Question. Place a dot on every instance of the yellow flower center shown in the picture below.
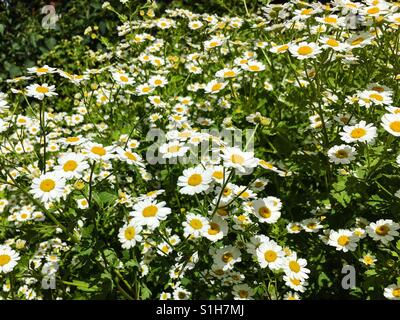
(358, 133)
(243, 293)
(47, 185)
(296, 282)
(312, 225)
(41, 70)
(395, 126)
(214, 229)
(382, 230)
(227, 192)
(295, 228)
(304, 50)
(330, 20)
(150, 211)
(264, 212)
(100, 151)
(270, 256)
(343, 240)
(357, 41)
(216, 87)
(229, 74)
(332, 43)
(237, 158)
(373, 10)
(146, 89)
(294, 266)
(70, 165)
(4, 259)
(72, 139)
(158, 82)
(376, 97)
(130, 233)
(368, 260)
(196, 224)
(254, 68)
(214, 43)
(130, 155)
(195, 179)
(307, 11)
(395, 292)
(41, 89)
(124, 79)
(341, 154)
(283, 48)
(227, 257)
(173, 149)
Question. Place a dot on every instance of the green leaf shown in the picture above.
(370, 272)
(145, 292)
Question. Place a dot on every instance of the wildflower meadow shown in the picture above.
(175, 153)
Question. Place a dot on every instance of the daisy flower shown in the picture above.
(270, 254)
(242, 292)
(383, 230)
(360, 40)
(71, 165)
(96, 151)
(368, 260)
(343, 240)
(194, 180)
(361, 132)
(82, 203)
(158, 81)
(295, 267)
(291, 296)
(215, 86)
(374, 97)
(195, 225)
(129, 234)
(48, 187)
(73, 140)
(42, 70)
(226, 257)
(265, 210)
(392, 292)
(144, 89)
(332, 43)
(295, 284)
(129, 157)
(254, 66)
(304, 50)
(173, 149)
(391, 123)
(235, 158)
(8, 259)
(217, 228)
(228, 73)
(181, 294)
(311, 225)
(342, 154)
(122, 78)
(282, 48)
(293, 227)
(195, 24)
(150, 212)
(40, 91)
